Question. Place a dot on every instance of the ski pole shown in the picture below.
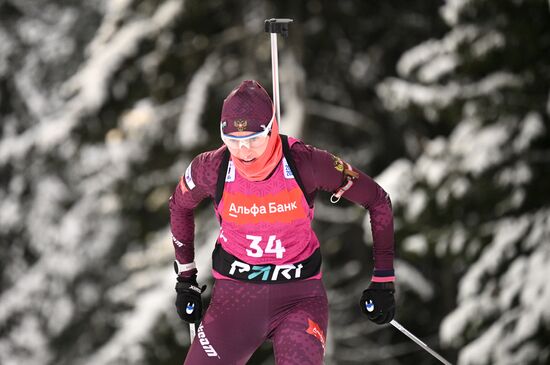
(275, 26)
(192, 332)
(418, 342)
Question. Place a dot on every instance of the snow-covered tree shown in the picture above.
(104, 103)
(472, 197)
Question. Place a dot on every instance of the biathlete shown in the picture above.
(266, 260)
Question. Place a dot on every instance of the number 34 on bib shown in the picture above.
(274, 246)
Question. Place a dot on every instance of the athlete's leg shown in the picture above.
(299, 331)
(233, 327)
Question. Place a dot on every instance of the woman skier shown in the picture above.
(266, 261)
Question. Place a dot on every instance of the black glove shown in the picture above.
(188, 300)
(378, 303)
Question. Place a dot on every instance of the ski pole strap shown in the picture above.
(350, 178)
(230, 266)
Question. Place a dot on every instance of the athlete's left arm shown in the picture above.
(329, 173)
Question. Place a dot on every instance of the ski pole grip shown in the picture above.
(280, 26)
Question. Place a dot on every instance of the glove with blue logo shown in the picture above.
(378, 302)
(188, 300)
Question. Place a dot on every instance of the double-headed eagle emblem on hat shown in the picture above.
(240, 124)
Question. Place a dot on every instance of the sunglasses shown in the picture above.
(251, 141)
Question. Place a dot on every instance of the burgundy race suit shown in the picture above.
(266, 259)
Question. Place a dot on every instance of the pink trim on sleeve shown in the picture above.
(386, 279)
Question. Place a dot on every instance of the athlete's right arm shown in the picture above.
(197, 183)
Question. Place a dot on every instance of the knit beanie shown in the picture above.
(247, 108)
